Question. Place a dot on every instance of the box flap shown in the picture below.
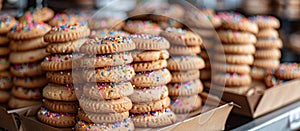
(278, 96)
(32, 124)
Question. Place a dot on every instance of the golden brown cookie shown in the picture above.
(59, 62)
(236, 48)
(149, 94)
(185, 104)
(240, 24)
(177, 63)
(149, 66)
(234, 59)
(62, 19)
(6, 23)
(143, 56)
(288, 71)
(65, 47)
(231, 68)
(142, 27)
(184, 76)
(106, 23)
(266, 63)
(126, 124)
(267, 54)
(184, 50)
(185, 88)
(150, 42)
(235, 37)
(265, 21)
(60, 77)
(258, 73)
(56, 119)
(151, 78)
(61, 106)
(181, 37)
(27, 69)
(232, 79)
(26, 45)
(102, 118)
(28, 56)
(60, 92)
(150, 106)
(267, 43)
(268, 32)
(30, 30)
(27, 94)
(30, 82)
(42, 14)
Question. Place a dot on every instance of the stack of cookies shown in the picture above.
(60, 101)
(268, 46)
(150, 98)
(184, 65)
(234, 57)
(28, 50)
(142, 27)
(6, 23)
(104, 103)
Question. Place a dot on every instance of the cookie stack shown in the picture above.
(60, 101)
(104, 103)
(28, 50)
(184, 65)
(237, 35)
(142, 27)
(150, 98)
(6, 23)
(268, 46)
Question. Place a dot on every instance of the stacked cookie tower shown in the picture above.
(237, 36)
(150, 98)
(60, 101)
(184, 65)
(6, 23)
(268, 46)
(28, 49)
(104, 103)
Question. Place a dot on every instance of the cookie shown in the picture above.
(5, 80)
(6, 23)
(142, 27)
(30, 82)
(234, 58)
(150, 106)
(270, 81)
(107, 45)
(185, 104)
(151, 78)
(106, 23)
(265, 21)
(267, 54)
(266, 63)
(60, 77)
(59, 92)
(268, 32)
(240, 24)
(154, 119)
(104, 33)
(65, 47)
(143, 56)
(126, 124)
(98, 61)
(102, 91)
(258, 73)
(3, 40)
(27, 94)
(25, 31)
(165, 12)
(149, 94)
(177, 63)
(185, 88)
(27, 69)
(55, 119)
(231, 68)
(4, 96)
(181, 37)
(232, 79)
(42, 14)
(58, 62)
(184, 76)
(28, 56)
(63, 19)
(236, 48)
(102, 118)
(170, 23)
(288, 71)
(4, 51)
(26, 45)
(205, 75)
(61, 106)
(149, 66)
(4, 63)
(65, 33)
(150, 42)
(236, 37)
(15, 103)
(184, 50)
(208, 20)
(109, 74)
(267, 43)
(107, 106)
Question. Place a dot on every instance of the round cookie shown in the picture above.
(107, 106)
(126, 124)
(151, 78)
(42, 14)
(231, 68)
(3, 40)
(106, 23)
(4, 96)
(61, 106)
(107, 45)
(5, 80)
(288, 71)
(143, 56)
(102, 91)
(240, 24)
(56, 119)
(181, 37)
(184, 50)
(232, 79)
(208, 20)
(150, 42)
(150, 106)
(142, 27)
(28, 56)
(149, 94)
(104, 33)
(149, 66)
(265, 21)
(258, 73)
(229, 36)
(15, 103)
(170, 23)
(25, 31)
(184, 76)
(266, 63)
(27, 69)
(6, 23)
(66, 33)
(4, 51)
(236, 48)
(59, 92)
(267, 54)
(63, 19)
(4, 63)
(26, 45)
(28, 94)
(267, 43)
(65, 47)
(186, 88)
(102, 118)
(109, 74)
(154, 119)
(30, 82)
(234, 59)
(60, 77)
(185, 63)
(268, 32)
(58, 62)
(185, 104)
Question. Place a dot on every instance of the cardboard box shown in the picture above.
(270, 100)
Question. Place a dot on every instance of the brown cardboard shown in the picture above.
(32, 124)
